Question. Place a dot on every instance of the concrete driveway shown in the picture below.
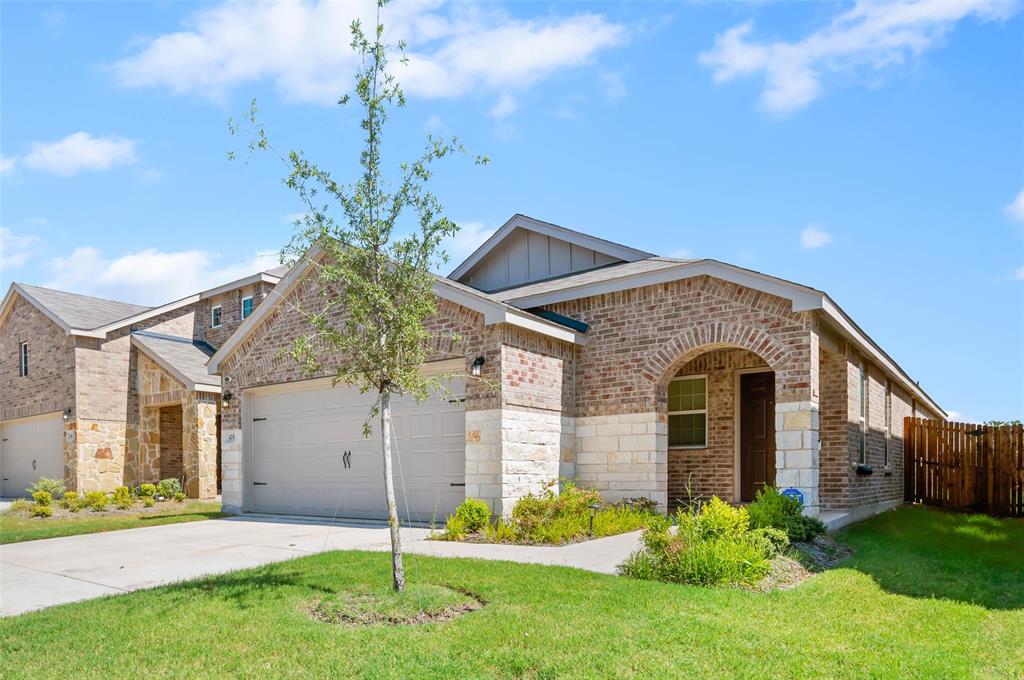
(39, 574)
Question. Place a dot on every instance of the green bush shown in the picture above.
(555, 517)
(54, 487)
(775, 540)
(712, 545)
(501, 531)
(43, 498)
(40, 510)
(147, 490)
(72, 501)
(123, 497)
(96, 501)
(772, 509)
(20, 504)
(148, 501)
(619, 519)
(454, 529)
(180, 497)
(168, 487)
(474, 513)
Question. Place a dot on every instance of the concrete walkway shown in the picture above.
(39, 574)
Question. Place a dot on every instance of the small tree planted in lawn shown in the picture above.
(375, 285)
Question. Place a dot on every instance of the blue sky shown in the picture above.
(872, 151)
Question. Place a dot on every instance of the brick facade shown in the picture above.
(50, 384)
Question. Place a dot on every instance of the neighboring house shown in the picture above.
(634, 374)
(101, 393)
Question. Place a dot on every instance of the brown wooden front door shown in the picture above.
(757, 433)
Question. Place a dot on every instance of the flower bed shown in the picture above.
(569, 515)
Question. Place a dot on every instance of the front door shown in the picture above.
(757, 433)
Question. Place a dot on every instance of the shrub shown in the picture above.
(772, 509)
(474, 513)
(41, 510)
(713, 545)
(123, 497)
(502, 531)
(72, 501)
(43, 498)
(619, 519)
(555, 517)
(147, 490)
(96, 501)
(804, 528)
(454, 529)
(148, 501)
(775, 540)
(20, 505)
(54, 487)
(180, 497)
(168, 487)
(642, 503)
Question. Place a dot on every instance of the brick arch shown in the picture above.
(662, 364)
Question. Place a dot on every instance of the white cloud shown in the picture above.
(813, 237)
(433, 125)
(303, 47)
(470, 236)
(959, 417)
(505, 106)
(7, 164)
(15, 250)
(615, 85)
(150, 276)
(1019, 274)
(681, 253)
(81, 151)
(1015, 210)
(869, 37)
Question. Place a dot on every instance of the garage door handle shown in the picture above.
(456, 484)
(259, 483)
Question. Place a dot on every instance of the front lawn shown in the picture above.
(872, 617)
(17, 525)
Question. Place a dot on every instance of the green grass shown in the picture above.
(873, 617)
(17, 526)
(382, 605)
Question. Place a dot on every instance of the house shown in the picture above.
(101, 393)
(634, 374)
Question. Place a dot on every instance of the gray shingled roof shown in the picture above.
(608, 273)
(82, 311)
(184, 357)
(278, 271)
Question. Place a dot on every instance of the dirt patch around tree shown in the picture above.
(417, 604)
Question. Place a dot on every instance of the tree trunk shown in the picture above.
(397, 573)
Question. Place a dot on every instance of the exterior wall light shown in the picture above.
(226, 398)
(476, 366)
(67, 413)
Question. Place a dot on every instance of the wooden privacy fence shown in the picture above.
(965, 467)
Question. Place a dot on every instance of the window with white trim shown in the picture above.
(888, 419)
(862, 452)
(246, 307)
(215, 314)
(688, 412)
(23, 359)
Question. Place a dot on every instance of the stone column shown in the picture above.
(199, 439)
(149, 444)
(797, 450)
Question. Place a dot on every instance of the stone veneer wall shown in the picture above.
(712, 470)
(95, 461)
(622, 455)
(199, 428)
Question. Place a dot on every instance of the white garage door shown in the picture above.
(30, 448)
(309, 456)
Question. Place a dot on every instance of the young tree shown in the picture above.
(375, 284)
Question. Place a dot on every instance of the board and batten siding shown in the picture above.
(526, 256)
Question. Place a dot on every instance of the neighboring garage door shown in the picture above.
(300, 437)
(30, 448)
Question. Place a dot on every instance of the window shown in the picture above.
(888, 419)
(687, 412)
(862, 453)
(246, 307)
(23, 359)
(215, 316)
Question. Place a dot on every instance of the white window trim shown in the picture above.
(241, 307)
(689, 413)
(23, 360)
(216, 325)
